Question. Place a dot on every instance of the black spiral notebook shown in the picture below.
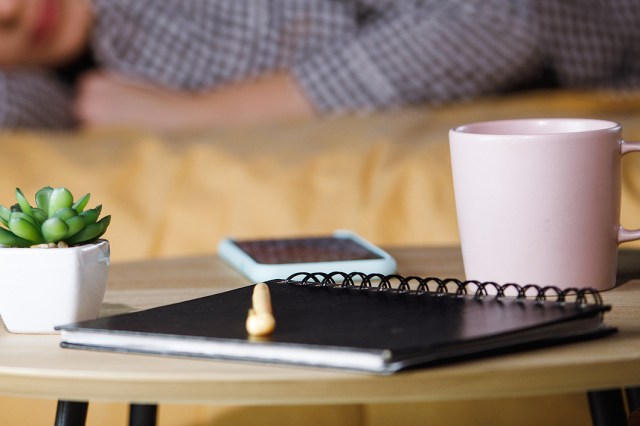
(373, 323)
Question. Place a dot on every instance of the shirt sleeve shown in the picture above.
(426, 52)
(198, 45)
(33, 99)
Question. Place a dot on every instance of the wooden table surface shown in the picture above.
(35, 365)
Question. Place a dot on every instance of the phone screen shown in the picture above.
(304, 250)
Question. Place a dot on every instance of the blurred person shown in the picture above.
(175, 64)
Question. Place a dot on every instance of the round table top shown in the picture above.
(36, 366)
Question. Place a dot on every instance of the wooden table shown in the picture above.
(35, 365)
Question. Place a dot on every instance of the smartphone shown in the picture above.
(342, 251)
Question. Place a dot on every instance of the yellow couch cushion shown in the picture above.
(386, 176)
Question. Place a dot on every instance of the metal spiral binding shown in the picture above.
(440, 287)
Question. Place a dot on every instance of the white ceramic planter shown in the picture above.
(41, 288)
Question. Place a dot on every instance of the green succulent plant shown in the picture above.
(56, 219)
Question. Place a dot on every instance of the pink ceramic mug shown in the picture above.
(538, 200)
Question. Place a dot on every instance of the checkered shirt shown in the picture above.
(368, 55)
(33, 99)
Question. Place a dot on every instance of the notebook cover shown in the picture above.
(381, 332)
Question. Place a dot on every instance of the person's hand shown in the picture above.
(107, 99)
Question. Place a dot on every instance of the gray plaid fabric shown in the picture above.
(33, 99)
(372, 54)
(199, 44)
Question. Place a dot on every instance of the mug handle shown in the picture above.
(625, 235)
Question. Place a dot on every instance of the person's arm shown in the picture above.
(428, 53)
(106, 99)
(33, 99)
(411, 53)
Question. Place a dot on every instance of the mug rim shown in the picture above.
(537, 126)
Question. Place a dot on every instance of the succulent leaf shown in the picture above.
(25, 229)
(39, 215)
(91, 232)
(75, 224)
(5, 214)
(23, 202)
(91, 216)
(60, 198)
(54, 229)
(66, 213)
(104, 223)
(8, 238)
(81, 203)
(24, 216)
(42, 198)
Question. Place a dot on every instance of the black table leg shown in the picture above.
(71, 413)
(633, 398)
(607, 408)
(142, 414)
(633, 402)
